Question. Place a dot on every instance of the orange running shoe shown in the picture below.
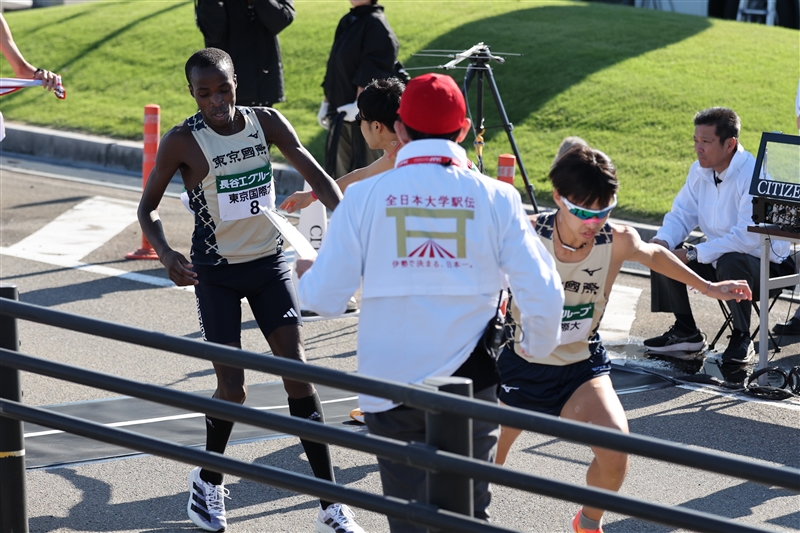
(577, 529)
(357, 415)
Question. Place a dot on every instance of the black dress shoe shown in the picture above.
(740, 349)
(792, 327)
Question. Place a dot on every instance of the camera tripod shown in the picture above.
(479, 57)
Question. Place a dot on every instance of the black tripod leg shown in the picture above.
(478, 126)
(480, 118)
(509, 131)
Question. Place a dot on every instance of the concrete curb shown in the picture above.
(100, 152)
(126, 156)
(77, 147)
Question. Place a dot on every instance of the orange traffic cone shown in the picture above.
(506, 166)
(152, 135)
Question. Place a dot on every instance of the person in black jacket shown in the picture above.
(364, 49)
(248, 31)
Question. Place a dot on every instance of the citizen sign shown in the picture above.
(789, 191)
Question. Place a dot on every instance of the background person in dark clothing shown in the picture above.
(364, 48)
(248, 31)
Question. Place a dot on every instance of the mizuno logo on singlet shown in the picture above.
(591, 272)
(291, 313)
(509, 389)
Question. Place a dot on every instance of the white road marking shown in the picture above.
(80, 231)
(620, 313)
(94, 269)
(176, 417)
(791, 405)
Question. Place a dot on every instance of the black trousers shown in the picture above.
(346, 149)
(670, 296)
(403, 481)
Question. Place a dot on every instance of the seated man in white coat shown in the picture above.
(716, 199)
(431, 240)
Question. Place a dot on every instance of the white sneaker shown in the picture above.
(337, 518)
(352, 305)
(206, 507)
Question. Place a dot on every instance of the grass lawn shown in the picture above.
(627, 80)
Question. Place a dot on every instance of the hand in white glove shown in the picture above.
(350, 111)
(322, 115)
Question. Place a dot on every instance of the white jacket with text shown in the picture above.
(432, 243)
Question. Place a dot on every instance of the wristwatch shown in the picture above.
(691, 253)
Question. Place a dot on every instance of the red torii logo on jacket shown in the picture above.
(431, 247)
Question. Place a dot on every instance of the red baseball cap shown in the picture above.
(433, 104)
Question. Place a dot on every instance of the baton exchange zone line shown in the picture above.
(185, 416)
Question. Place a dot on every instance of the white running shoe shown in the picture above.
(206, 505)
(352, 305)
(337, 518)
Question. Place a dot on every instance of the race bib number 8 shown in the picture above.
(242, 195)
(576, 321)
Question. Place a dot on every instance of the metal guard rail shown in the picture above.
(415, 396)
(417, 512)
(413, 454)
(416, 454)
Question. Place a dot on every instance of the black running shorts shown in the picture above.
(546, 388)
(267, 285)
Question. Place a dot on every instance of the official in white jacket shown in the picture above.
(716, 199)
(431, 241)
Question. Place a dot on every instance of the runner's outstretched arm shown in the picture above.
(280, 133)
(663, 261)
(302, 199)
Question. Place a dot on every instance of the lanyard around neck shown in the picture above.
(433, 159)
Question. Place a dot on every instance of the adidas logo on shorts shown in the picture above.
(291, 313)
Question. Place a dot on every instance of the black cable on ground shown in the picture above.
(788, 387)
(769, 392)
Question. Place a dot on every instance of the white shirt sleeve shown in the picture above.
(535, 283)
(336, 274)
(682, 218)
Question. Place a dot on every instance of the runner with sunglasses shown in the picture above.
(573, 381)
